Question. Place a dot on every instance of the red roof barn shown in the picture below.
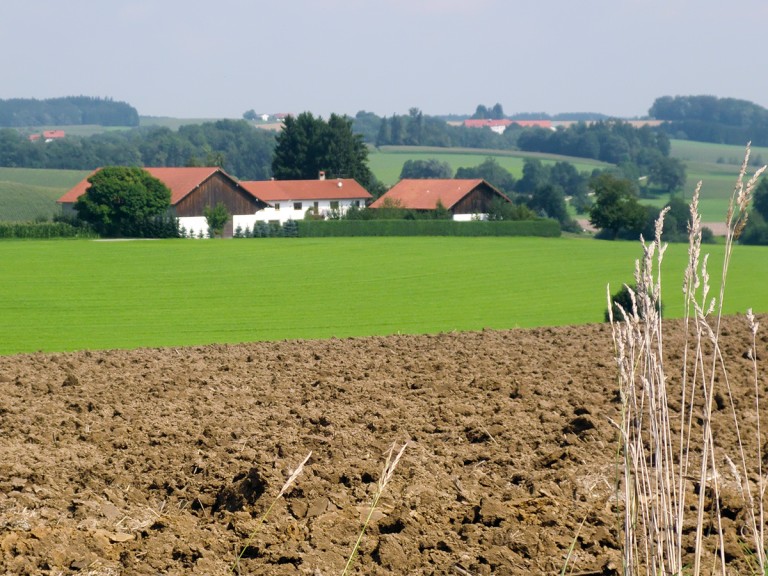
(463, 197)
(192, 190)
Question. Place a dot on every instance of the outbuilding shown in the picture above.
(466, 199)
(192, 190)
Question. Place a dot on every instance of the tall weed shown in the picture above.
(671, 464)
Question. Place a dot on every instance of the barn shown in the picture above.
(466, 199)
(293, 199)
(192, 190)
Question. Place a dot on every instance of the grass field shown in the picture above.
(67, 295)
(27, 194)
(387, 162)
(717, 166)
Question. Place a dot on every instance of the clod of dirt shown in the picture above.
(245, 489)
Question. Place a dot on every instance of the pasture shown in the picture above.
(28, 193)
(70, 295)
(717, 167)
(387, 162)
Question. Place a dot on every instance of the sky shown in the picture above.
(218, 59)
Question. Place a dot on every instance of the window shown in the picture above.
(317, 207)
(356, 203)
(334, 204)
(277, 205)
(297, 205)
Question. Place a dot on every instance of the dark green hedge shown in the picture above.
(44, 230)
(317, 228)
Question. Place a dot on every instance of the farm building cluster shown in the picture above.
(194, 189)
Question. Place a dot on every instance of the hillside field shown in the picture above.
(387, 162)
(71, 295)
(28, 193)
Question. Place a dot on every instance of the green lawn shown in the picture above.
(68, 295)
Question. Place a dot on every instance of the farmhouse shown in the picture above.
(500, 126)
(467, 199)
(294, 199)
(192, 190)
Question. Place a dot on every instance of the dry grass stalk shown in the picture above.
(657, 456)
(386, 475)
(288, 483)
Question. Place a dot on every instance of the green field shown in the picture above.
(68, 295)
(387, 162)
(717, 167)
(27, 194)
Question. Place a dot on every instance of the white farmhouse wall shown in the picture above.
(194, 225)
(469, 217)
(287, 210)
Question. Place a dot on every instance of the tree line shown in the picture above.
(70, 110)
(233, 145)
(712, 119)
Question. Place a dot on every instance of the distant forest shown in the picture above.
(67, 111)
(711, 119)
(240, 149)
(246, 152)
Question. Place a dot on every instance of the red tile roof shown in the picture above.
(424, 194)
(54, 134)
(181, 181)
(286, 190)
(485, 123)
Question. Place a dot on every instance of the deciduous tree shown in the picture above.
(616, 208)
(123, 201)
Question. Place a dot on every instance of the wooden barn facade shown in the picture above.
(466, 199)
(192, 190)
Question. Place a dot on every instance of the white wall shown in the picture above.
(469, 217)
(287, 212)
(194, 225)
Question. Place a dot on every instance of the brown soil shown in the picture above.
(162, 461)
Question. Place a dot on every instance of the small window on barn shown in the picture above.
(297, 205)
(334, 204)
(356, 203)
(277, 205)
(317, 206)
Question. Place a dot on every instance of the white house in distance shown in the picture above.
(292, 199)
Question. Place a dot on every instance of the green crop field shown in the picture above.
(717, 167)
(68, 295)
(27, 194)
(387, 162)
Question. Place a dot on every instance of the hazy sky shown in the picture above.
(188, 58)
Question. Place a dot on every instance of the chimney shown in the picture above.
(321, 175)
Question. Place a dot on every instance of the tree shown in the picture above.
(756, 231)
(535, 175)
(431, 168)
(492, 172)
(216, 218)
(616, 208)
(667, 173)
(123, 201)
(549, 201)
(308, 145)
(250, 115)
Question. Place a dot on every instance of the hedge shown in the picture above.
(44, 230)
(318, 228)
